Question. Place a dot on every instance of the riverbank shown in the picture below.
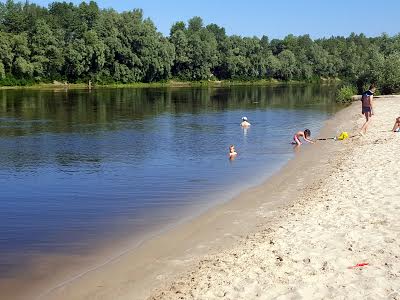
(158, 260)
(312, 247)
(170, 83)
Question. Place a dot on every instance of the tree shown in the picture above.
(46, 55)
(6, 51)
(21, 67)
(89, 14)
(277, 46)
(272, 66)
(13, 17)
(81, 42)
(287, 65)
(181, 45)
(196, 51)
(391, 83)
(177, 26)
(195, 24)
(85, 57)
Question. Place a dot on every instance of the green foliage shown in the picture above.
(345, 94)
(196, 52)
(12, 81)
(2, 71)
(287, 65)
(391, 82)
(82, 42)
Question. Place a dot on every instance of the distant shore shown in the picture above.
(171, 84)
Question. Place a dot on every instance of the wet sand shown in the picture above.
(288, 236)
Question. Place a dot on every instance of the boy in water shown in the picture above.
(305, 134)
(367, 108)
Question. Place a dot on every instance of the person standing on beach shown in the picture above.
(367, 108)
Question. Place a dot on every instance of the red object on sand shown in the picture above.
(359, 265)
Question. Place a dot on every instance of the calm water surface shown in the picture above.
(77, 167)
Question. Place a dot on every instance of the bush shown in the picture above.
(391, 83)
(12, 81)
(345, 93)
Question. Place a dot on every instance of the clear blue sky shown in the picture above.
(276, 19)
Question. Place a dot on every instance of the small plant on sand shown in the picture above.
(345, 93)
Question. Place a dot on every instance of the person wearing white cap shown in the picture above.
(245, 122)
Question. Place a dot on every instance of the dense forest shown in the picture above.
(72, 43)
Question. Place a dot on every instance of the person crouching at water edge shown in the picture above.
(305, 135)
(367, 108)
(232, 152)
(245, 122)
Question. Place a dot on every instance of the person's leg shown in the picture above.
(365, 126)
(296, 139)
(369, 118)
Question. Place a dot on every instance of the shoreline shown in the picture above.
(168, 84)
(153, 259)
(338, 239)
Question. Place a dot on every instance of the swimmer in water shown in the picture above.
(245, 123)
(232, 152)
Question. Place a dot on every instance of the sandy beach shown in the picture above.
(347, 219)
(295, 236)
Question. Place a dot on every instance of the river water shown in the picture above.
(80, 167)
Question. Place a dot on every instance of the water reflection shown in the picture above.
(92, 114)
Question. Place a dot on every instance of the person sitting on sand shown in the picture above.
(245, 122)
(396, 126)
(305, 134)
(232, 152)
(367, 107)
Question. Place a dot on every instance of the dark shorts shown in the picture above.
(365, 110)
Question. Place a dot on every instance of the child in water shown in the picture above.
(305, 134)
(232, 152)
(396, 126)
(245, 122)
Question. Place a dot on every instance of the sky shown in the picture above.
(276, 19)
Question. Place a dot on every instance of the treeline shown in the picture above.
(72, 43)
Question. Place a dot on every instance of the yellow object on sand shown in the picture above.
(344, 135)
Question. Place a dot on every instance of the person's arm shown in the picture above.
(308, 140)
(371, 103)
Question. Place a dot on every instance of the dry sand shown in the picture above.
(295, 236)
(349, 217)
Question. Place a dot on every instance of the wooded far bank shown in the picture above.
(65, 42)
